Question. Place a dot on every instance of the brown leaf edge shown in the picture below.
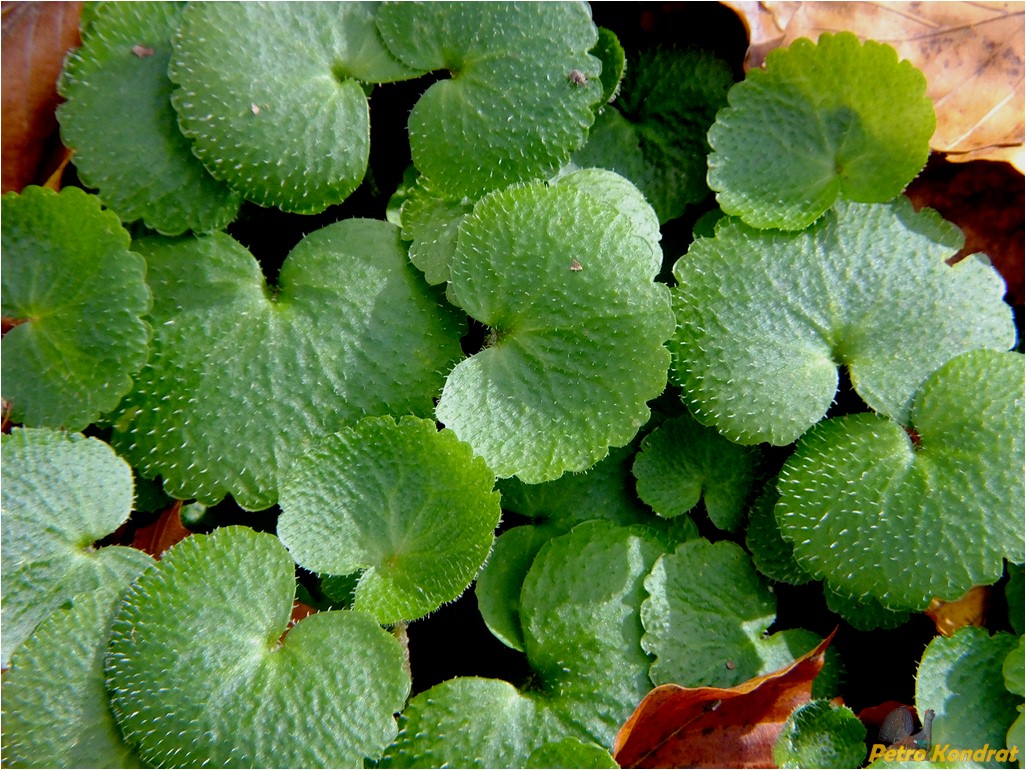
(678, 726)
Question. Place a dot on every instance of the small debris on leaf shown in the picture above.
(576, 266)
(142, 51)
(578, 78)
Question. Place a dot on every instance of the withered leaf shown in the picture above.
(971, 53)
(970, 610)
(35, 38)
(167, 530)
(712, 727)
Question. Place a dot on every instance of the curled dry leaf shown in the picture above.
(971, 53)
(678, 726)
(36, 36)
(167, 530)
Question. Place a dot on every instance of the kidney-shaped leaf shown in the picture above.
(564, 279)
(272, 96)
(820, 734)
(141, 163)
(765, 317)
(509, 112)
(61, 493)
(199, 673)
(240, 376)
(74, 293)
(862, 501)
(410, 505)
(841, 118)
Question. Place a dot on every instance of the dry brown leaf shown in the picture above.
(712, 727)
(35, 38)
(970, 610)
(971, 53)
(167, 530)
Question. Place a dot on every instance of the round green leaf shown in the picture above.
(771, 554)
(372, 497)
(566, 284)
(682, 461)
(614, 60)
(470, 722)
(271, 95)
(240, 375)
(502, 578)
(61, 493)
(75, 294)
(861, 501)
(570, 753)
(582, 631)
(519, 97)
(837, 118)
(765, 318)
(56, 711)
(141, 163)
(199, 673)
(960, 678)
(819, 734)
(705, 616)
(654, 134)
(431, 223)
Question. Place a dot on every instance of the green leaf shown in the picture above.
(502, 578)
(960, 678)
(579, 612)
(705, 616)
(1014, 669)
(241, 376)
(470, 722)
(510, 111)
(582, 630)
(654, 134)
(199, 673)
(431, 222)
(835, 119)
(819, 734)
(765, 318)
(570, 753)
(682, 461)
(865, 614)
(141, 163)
(609, 51)
(76, 294)
(771, 554)
(61, 493)
(369, 497)
(56, 711)
(271, 95)
(862, 501)
(566, 284)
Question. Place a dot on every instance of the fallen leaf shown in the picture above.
(986, 200)
(970, 610)
(971, 53)
(712, 727)
(167, 530)
(35, 38)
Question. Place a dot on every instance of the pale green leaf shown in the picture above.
(766, 318)
(564, 280)
(820, 734)
(200, 673)
(61, 493)
(861, 501)
(242, 375)
(369, 497)
(839, 118)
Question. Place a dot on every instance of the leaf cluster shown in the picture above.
(502, 335)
